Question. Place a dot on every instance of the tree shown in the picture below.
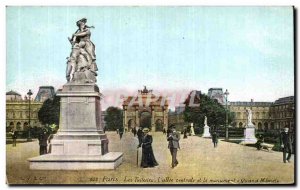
(49, 112)
(113, 118)
(214, 111)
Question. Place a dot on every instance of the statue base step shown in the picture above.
(206, 133)
(249, 135)
(108, 161)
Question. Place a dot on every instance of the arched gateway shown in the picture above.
(145, 104)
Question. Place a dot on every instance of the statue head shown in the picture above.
(81, 22)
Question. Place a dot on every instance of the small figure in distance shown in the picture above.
(173, 138)
(286, 144)
(121, 131)
(14, 135)
(43, 138)
(260, 140)
(215, 138)
(185, 133)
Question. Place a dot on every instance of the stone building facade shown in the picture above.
(260, 114)
(17, 112)
(145, 110)
(266, 115)
(282, 113)
(17, 108)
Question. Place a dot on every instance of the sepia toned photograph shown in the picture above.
(150, 95)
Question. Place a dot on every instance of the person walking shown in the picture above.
(121, 131)
(260, 140)
(173, 138)
(43, 138)
(286, 144)
(185, 133)
(140, 134)
(215, 138)
(148, 158)
(14, 135)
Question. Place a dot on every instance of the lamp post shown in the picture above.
(226, 120)
(29, 93)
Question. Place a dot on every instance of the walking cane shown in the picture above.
(137, 157)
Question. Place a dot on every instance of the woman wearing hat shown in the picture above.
(148, 159)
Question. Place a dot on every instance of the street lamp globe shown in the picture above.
(226, 93)
(29, 93)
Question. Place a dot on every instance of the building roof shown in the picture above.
(284, 100)
(215, 89)
(13, 93)
(250, 103)
(47, 87)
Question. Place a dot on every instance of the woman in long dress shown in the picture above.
(148, 158)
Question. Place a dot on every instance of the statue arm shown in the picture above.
(83, 33)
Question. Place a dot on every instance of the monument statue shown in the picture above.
(249, 132)
(81, 65)
(249, 115)
(206, 132)
(192, 130)
(80, 143)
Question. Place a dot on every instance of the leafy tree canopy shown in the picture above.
(214, 111)
(49, 112)
(113, 118)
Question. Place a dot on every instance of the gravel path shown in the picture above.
(199, 162)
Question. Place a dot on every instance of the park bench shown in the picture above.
(267, 146)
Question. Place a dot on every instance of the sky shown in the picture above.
(247, 50)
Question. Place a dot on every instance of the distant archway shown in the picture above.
(158, 125)
(10, 126)
(266, 126)
(234, 124)
(131, 124)
(259, 126)
(145, 120)
(240, 124)
(25, 126)
(145, 109)
(19, 127)
(272, 126)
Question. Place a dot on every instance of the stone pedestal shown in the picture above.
(192, 131)
(206, 133)
(80, 142)
(249, 135)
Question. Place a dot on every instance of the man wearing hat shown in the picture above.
(286, 144)
(173, 138)
(43, 138)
